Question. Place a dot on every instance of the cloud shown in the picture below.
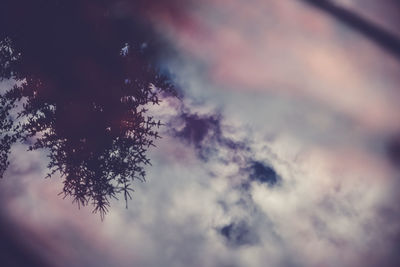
(196, 128)
(238, 234)
(383, 38)
(262, 173)
(277, 98)
(393, 150)
(294, 53)
(204, 130)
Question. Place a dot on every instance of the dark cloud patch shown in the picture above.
(197, 128)
(201, 131)
(393, 150)
(263, 173)
(239, 234)
(390, 254)
(205, 132)
(258, 171)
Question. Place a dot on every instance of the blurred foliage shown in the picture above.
(85, 72)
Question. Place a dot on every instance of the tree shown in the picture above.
(378, 35)
(86, 72)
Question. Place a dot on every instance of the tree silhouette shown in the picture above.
(86, 73)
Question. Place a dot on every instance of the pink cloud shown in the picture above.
(289, 49)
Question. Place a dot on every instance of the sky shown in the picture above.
(282, 151)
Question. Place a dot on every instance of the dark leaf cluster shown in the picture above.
(86, 74)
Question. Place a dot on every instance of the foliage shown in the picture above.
(86, 72)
